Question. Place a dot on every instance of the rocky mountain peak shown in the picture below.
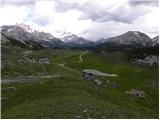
(131, 38)
(155, 41)
(73, 39)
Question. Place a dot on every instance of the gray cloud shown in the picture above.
(42, 21)
(104, 20)
(124, 13)
(17, 2)
(143, 2)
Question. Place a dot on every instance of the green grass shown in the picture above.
(69, 96)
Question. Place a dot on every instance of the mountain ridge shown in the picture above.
(29, 38)
(130, 39)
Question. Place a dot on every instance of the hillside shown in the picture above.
(130, 39)
(31, 39)
(155, 41)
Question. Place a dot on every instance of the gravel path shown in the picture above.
(80, 57)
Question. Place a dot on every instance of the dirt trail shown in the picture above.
(25, 55)
(80, 57)
(67, 68)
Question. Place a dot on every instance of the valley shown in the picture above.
(47, 83)
(47, 77)
(79, 59)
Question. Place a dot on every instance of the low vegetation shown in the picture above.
(66, 95)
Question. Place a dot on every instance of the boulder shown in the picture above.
(98, 82)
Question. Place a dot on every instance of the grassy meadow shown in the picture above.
(56, 90)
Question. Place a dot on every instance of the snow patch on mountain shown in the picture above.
(131, 38)
(155, 41)
(73, 39)
(136, 33)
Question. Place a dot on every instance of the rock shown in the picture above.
(108, 81)
(98, 82)
(135, 92)
(80, 104)
(85, 110)
(12, 87)
(114, 85)
(78, 116)
(44, 61)
(150, 60)
(2, 99)
(103, 117)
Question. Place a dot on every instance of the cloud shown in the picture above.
(100, 12)
(92, 19)
(91, 10)
(143, 2)
(147, 23)
(17, 2)
(11, 14)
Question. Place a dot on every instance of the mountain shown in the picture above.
(75, 41)
(101, 41)
(131, 39)
(16, 36)
(27, 38)
(24, 36)
(155, 41)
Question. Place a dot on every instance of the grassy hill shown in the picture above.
(56, 90)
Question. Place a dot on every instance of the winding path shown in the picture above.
(68, 68)
(80, 57)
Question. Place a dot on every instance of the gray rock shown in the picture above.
(98, 82)
(135, 92)
(150, 60)
(85, 110)
(114, 85)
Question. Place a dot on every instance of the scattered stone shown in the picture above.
(14, 88)
(78, 116)
(20, 62)
(85, 110)
(80, 104)
(135, 92)
(2, 99)
(112, 84)
(27, 52)
(87, 76)
(47, 76)
(103, 117)
(44, 61)
(108, 81)
(33, 61)
(98, 82)
(150, 60)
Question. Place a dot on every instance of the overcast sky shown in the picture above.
(91, 19)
